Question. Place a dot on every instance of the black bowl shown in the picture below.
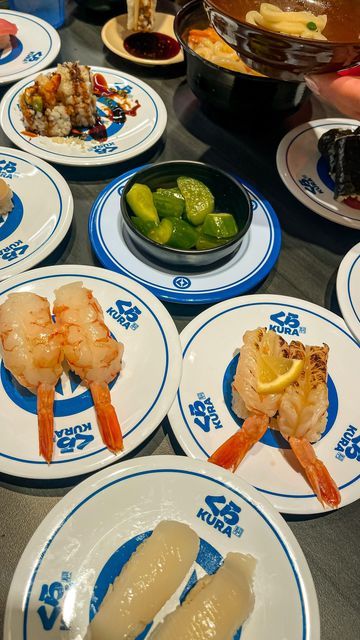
(231, 91)
(229, 196)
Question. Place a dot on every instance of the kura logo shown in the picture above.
(125, 313)
(287, 323)
(221, 515)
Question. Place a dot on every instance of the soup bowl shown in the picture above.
(232, 92)
(289, 57)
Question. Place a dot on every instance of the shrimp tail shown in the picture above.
(317, 474)
(45, 411)
(109, 426)
(232, 451)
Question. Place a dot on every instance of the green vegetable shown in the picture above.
(220, 225)
(143, 226)
(172, 191)
(37, 103)
(184, 236)
(199, 200)
(140, 199)
(312, 26)
(162, 232)
(208, 242)
(168, 204)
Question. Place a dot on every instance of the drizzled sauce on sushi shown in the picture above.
(151, 45)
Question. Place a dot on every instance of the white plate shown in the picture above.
(115, 31)
(135, 136)
(210, 352)
(42, 213)
(250, 265)
(348, 289)
(141, 394)
(69, 560)
(34, 47)
(306, 173)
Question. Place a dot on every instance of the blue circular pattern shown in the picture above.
(9, 223)
(273, 438)
(208, 558)
(181, 282)
(24, 399)
(323, 170)
(15, 51)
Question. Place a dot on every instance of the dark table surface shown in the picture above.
(312, 249)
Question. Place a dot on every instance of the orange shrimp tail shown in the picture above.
(317, 474)
(45, 411)
(231, 453)
(109, 426)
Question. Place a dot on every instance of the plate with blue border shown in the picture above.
(37, 223)
(202, 417)
(69, 564)
(348, 289)
(142, 393)
(34, 47)
(306, 174)
(136, 129)
(244, 271)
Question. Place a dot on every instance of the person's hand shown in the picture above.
(343, 92)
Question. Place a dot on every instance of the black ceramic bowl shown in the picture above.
(229, 196)
(231, 91)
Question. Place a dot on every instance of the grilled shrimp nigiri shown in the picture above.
(216, 607)
(247, 402)
(303, 415)
(31, 349)
(91, 353)
(155, 570)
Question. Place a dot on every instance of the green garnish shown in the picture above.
(312, 26)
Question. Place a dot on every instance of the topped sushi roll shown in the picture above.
(59, 101)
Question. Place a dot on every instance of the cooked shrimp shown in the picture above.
(91, 353)
(31, 349)
(247, 403)
(303, 415)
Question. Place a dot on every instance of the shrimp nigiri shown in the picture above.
(32, 351)
(91, 353)
(303, 415)
(247, 402)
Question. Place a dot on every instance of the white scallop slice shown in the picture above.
(216, 607)
(148, 580)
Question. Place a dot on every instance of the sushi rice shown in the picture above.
(59, 101)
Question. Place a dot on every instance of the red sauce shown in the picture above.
(354, 203)
(98, 131)
(30, 134)
(151, 45)
(101, 87)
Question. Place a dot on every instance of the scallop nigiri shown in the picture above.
(216, 607)
(151, 576)
(91, 353)
(32, 350)
(247, 403)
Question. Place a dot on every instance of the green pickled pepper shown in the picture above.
(199, 201)
(143, 226)
(208, 242)
(140, 199)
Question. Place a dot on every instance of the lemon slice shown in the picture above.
(275, 374)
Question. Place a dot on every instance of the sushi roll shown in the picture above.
(7, 29)
(155, 570)
(6, 204)
(60, 101)
(326, 146)
(347, 176)
(216, 607)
